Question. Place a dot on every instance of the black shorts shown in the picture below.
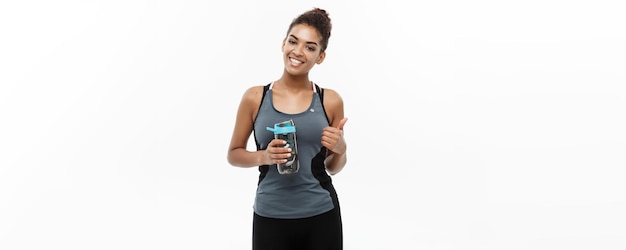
(320, 232)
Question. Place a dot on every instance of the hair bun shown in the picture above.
(321, 11)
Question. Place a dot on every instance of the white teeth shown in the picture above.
(295, 61)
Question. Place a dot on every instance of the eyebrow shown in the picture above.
(294, 37)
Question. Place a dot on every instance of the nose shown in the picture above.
(297, 50)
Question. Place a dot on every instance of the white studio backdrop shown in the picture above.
(472, 125)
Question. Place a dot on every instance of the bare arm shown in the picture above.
(238, 154)
(332, 136)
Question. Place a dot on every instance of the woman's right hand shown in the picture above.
(276, 152)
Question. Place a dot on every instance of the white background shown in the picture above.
(472, 124)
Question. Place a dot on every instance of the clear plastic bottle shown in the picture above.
(287, 131)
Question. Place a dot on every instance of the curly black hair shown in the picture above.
(318, 19)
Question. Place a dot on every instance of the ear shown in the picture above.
(282, 45)
(320, 59)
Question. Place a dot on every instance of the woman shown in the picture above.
(298, 210)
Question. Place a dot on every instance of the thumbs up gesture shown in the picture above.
(332, 137)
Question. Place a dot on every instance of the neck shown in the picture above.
(295, 81)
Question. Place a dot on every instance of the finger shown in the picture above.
(329, 138)
(342, 123)
(280, 157)
(332, 131)
(276, 155)
(277, 143)
(329, 142)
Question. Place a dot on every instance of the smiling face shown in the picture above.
(302, 49)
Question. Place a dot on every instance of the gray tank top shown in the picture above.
(310, 191)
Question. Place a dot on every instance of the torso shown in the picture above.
(308, 192)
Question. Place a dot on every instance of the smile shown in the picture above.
(295, 62)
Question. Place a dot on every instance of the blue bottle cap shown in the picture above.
(283, 128)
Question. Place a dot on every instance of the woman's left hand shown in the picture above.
(332, 138)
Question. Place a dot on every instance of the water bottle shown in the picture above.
(287, 131)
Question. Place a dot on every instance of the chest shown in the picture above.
(291, 104)
(309, 121)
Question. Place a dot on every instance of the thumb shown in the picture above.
(342, 122)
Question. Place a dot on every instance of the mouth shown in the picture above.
(295, 62)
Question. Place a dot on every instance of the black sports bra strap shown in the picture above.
(320, 91)
(265, 88)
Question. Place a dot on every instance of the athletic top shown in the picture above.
(308, 192)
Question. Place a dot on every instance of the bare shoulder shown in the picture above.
(253, 95)
(332, 99)
(250, 102)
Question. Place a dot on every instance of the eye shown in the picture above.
(290, 41)
(311, 48)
